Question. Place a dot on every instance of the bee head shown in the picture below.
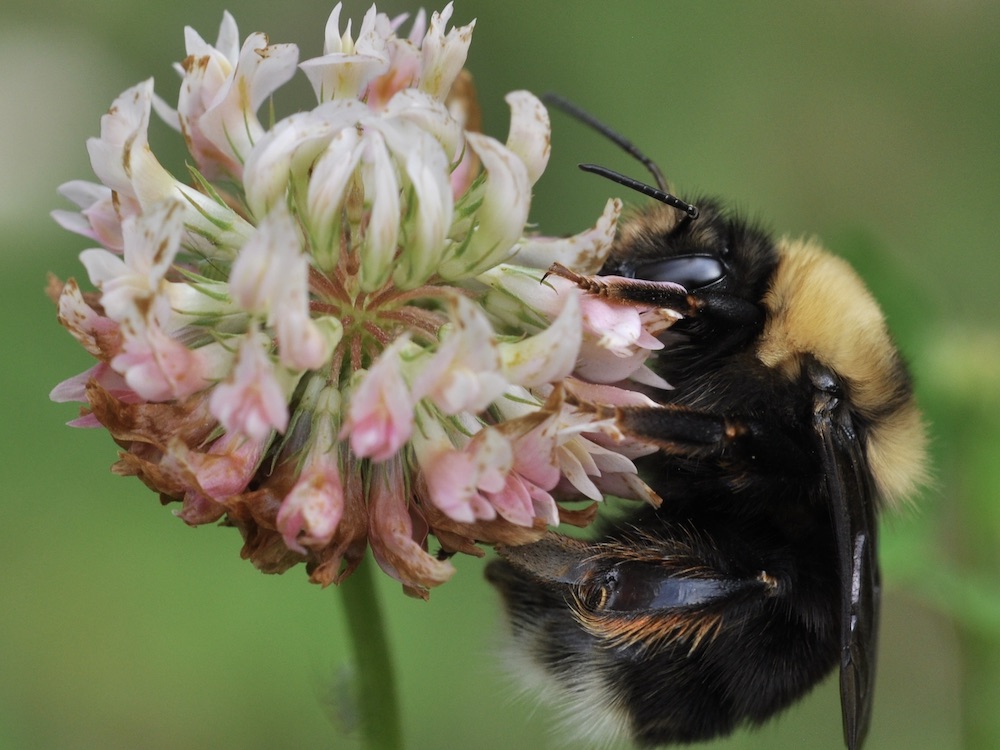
(716, 252)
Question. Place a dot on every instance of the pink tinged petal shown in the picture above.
(548, 356)
(251, 402)
(443, 54)
(530, 135)
(158, 367)
(464, 373)
(74, 221)
(101, 214)
(456, 479)
(75, 388)
(226, 469)
(311, 511)
(544, 506)
(585, 253)
(534, 455)
(84, 194)
(616, 328)
(380, 413)
(383, 201)
(271, 275)
(103, 266)
(535, 472)
(607, 394)
(86, 422)
(230, 125)
(514, 502)
(451, 485)
(501, 216)
(397, 547)
(600, 365)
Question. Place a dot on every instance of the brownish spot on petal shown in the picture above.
(187, 420)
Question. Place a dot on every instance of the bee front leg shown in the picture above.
(722, 308)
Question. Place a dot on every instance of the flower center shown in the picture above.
(373, 320)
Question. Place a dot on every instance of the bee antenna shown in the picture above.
(634, 184)
(615, 137)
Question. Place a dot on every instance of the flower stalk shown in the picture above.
(374, 675)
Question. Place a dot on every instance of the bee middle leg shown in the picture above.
(743, 441)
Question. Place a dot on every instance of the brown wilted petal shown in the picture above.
(187, 420)
(392, 539)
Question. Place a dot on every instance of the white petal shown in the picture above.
(443, 54)
(501, 216)
(428, 114)
(152, 240)
(230, 123)
(382, 234)
(584, 253)
(257, 279)
(102, 266)
(548, 356)
(121, 157)
(289, 149)
(530, 135)
(427, 168)
(346, 68)
(328, 188)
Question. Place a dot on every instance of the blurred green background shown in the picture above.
(875, 126)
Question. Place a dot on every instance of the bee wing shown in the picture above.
(852, 501)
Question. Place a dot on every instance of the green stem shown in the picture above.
(375, 681)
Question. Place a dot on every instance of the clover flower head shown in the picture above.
(336, 332)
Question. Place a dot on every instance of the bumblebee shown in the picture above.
(791, 425)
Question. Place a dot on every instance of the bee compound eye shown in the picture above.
(599, 591)
(690, 271)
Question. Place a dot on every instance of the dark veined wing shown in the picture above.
(852, 502)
